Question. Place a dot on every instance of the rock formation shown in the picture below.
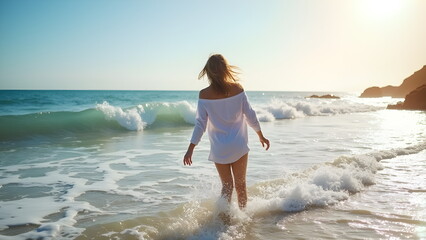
(411, 83)
(415, 100)
(324, 96)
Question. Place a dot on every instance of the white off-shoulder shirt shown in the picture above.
(226, 122)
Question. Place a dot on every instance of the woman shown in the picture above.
(223, 110)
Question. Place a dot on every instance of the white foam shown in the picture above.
(306, 195)
(298, 108)
(129, 119)
(281, 110)
(66, 187)
(23, 211)
(320, 186)
(183, 109)
(146, 114)
(186, 111)
(143, 115)
(324, 184)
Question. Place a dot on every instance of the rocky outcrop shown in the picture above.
(415, 100)
(381, 92)
(399, 105)
(324, 96)
(409, 84)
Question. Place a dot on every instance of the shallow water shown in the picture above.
(336, 168)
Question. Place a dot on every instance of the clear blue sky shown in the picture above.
(328, 45)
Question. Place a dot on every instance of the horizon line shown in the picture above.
(165, 90)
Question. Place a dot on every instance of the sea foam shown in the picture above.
(129, 119)
(320, 186)
(277, 109)
(324, 184)
(144, 115)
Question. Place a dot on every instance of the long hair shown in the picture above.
(220, 74)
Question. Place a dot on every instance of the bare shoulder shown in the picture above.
(210, 93)
(236, 89)
(205, 93)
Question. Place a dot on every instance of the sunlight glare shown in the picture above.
(383, 8)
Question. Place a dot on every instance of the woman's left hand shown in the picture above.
(265, 142)
(187, 159)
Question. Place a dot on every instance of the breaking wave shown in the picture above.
(106, 117)
(278, 109)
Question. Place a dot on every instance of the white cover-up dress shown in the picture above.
(226, 122)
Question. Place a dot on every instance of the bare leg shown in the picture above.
(225, 175)
(239, 169)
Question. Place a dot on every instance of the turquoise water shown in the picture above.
(33, 101)
(32, 113)
(25, 114)
(108, 165)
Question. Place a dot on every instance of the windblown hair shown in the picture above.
(220, 74)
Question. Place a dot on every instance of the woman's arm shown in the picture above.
(252, 120)
(200, 123)
(199, 129)
(250, 114)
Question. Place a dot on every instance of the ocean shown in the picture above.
(108, 165)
